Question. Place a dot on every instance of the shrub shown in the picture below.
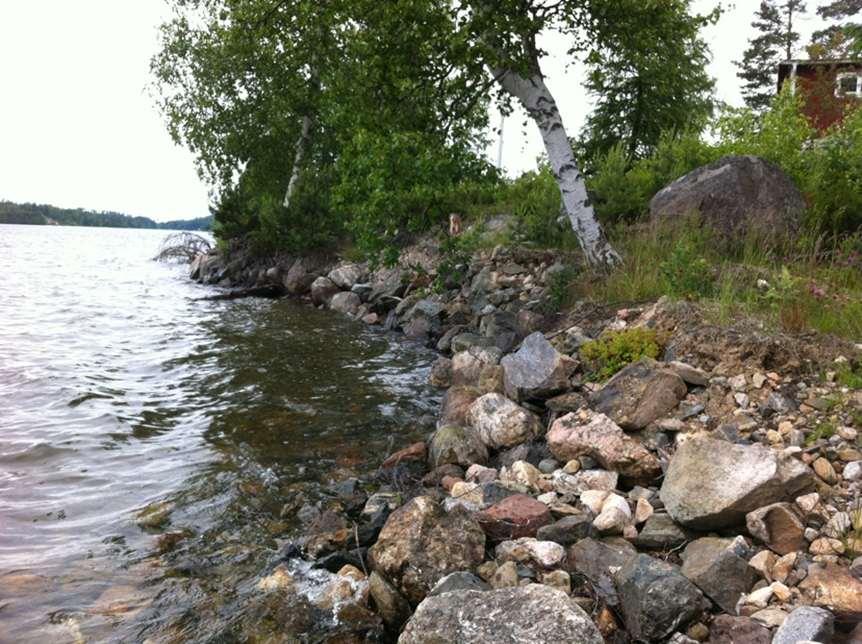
(615, 349)
(686, 273)
(534, 199)
(560, 287)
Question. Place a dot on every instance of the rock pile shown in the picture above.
(680, 501)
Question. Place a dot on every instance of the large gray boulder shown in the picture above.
(532, 614)
(639, 394)
(345, 302)
(536, 370)
(421, 543)
(501, 423)
(712, 484)
(734, 195)
(323, 290)
(347, 275)
(806, 624)
(656, 599)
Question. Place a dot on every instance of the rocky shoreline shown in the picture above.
(709, 496)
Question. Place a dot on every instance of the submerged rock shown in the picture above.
(713, 484)
(421, 543)
(531, 614)
(536, 370)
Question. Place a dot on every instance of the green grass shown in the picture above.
(792, 286)
(822, 431)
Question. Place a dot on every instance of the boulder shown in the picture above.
(597, 436)
(641, 393)
(421, 543)
(514, 517)
(345, 302)
(833, 587)
(712, 484)
(720, 569)
(531, 614)
(735, 195)
(537, 370)
(456, 445)
(390, 604)
(655, 598)
(347, 276)
(597, 561)
(779, 527)
(455, 405)
(660, 532)
(806, 624)
(501, 423)
(467, 366)
(322, 290)
(298, 279)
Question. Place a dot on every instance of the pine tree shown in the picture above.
(775, 41)
(840, 40)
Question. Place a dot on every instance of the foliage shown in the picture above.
(560, 287)
(647, 73)
(776, 37)
(614, 350)
(824, 430)
(841, 40)
(686, 272)
(849, 376)
(40, 214)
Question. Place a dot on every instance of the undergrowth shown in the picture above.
(614, 350)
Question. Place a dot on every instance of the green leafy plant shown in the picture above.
(615, 349)
(849, 376)
(823, 431)
(560, 287)
(686, 272)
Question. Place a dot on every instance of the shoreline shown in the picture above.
(537, 478)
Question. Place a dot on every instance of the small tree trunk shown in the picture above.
(534, 95)
(301, 146)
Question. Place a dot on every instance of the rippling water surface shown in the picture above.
(119, 387)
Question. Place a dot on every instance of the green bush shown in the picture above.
(686, 273)
(616, 349)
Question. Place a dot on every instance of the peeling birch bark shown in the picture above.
(301, 146)
(536, 98)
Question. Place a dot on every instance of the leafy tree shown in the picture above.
(647, 70)
(842, 40)
(775, 40)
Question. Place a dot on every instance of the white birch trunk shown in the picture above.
(301, 146)
(534, 95)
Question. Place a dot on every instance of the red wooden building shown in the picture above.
(830, 87)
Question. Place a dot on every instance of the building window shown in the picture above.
(848, 85)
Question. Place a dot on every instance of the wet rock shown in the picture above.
(735, 195)
(537, 370)
(501, 423)
(534, 614)
(298, 280)
(568, 530)
(345, 302)
(441, 373)
(656, 599)
(323, 290)
(545, 554)
(514, 517)
(347, 276)
(458, 581)
(417, 452)
(778, 526)
(420, 543)
(833, 587)
(806, 623)
(390, 604)
(597, 436)
(728, 629)
(501, 327)
(456, 445)
(713, 484)
(456, 402)
(154, 515)
(719, 568)
(639, 394)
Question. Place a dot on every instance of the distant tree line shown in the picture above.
(41, 215)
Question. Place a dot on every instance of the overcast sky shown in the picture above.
(78, 128)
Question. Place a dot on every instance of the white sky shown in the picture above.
(78, 128)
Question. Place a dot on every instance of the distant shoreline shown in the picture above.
(30, 214)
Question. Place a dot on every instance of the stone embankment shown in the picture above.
(713, 495)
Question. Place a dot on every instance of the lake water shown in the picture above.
(119, 387)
